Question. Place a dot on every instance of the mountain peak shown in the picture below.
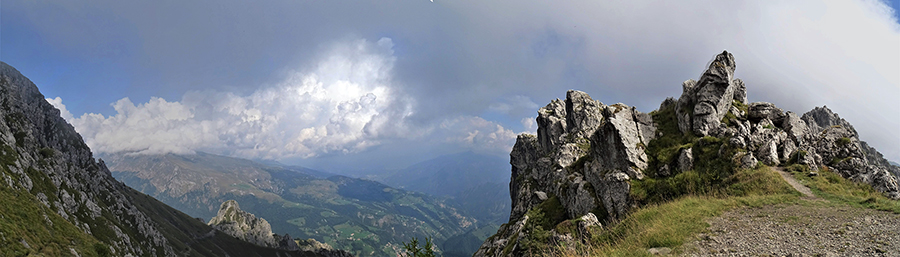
(243, 225)
(586, 156)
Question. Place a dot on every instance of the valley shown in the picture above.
(360, 216)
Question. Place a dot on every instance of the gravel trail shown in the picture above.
(812, 228)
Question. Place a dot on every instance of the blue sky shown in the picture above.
(360, 84)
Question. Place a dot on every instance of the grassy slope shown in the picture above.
(23, 221)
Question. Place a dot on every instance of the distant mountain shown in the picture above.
(56, 200)
(364, 217)
(477, 183)
(450, 175)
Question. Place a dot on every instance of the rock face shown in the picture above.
(44, 159)
(243, 225)
(583, 156)
(586, 154)
(52, 160)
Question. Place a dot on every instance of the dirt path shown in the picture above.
(813, 229)
(810, 228)
(796, 184)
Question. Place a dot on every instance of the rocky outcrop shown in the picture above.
(704, 103)
(586, 154)
(246, 226)
(583, 156)
(243, 225)
(820, 138)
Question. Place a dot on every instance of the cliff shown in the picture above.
(56, 200)
(579, 172)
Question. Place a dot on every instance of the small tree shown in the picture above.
(413, 250)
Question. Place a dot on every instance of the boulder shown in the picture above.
(614, 190)
(795, 127)
(747, 161)
(764, 110)
(768, 153)
(588, 222)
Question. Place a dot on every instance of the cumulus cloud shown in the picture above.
(347, 103)
(57, 102)
(461, 58)
(478, 134)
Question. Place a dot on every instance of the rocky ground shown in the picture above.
(813, 229)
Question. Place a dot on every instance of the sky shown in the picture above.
(368, 85)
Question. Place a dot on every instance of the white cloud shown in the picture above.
(346, 104)
(339, 106)
(477, 133)
(513, 105)
(57, 102)
(529, 124)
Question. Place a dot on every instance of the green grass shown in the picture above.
(838, 190)
(23, 220)
(669, 224)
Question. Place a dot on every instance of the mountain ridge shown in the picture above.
(49, 172)
(591, 161)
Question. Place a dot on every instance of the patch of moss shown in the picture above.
(669, 141)
(797, 156)
(547, 214)
(46, 152)
(842, 142)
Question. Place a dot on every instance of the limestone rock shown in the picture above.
(243, 225)
(768, 153)
(614, 191)
(619, 144)
(685, 160)
(795, 127)
(764, 110)
(740, 91)
(582, 114)
(748, 161)
(78, 187)
(684, 108)
(588, 221)
(821, 118)
(551, 122)
(670, 101)
(584, 154)
(704, 104)
(664, 171)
